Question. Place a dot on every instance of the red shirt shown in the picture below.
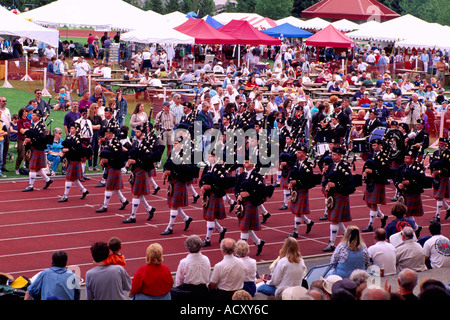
(152, 280)
(22, 124)
(91, 39)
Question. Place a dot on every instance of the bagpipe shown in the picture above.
(76, 149)
(115, 154)
(219, 182)
(305, 179)
(39, 138)
(343, 180)
(380, 169)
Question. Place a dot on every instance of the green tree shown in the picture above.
(230, 6)
(171, 6)
(205, 7)
(154, 5)
(246, 6)
(274, 9)
(300, 5)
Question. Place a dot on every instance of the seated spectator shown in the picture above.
(432, 290)
(407, 281)
(242, 251)
(153, 281)
(436, 248)
(107, 282)
(228, 274)
(365, 101)
(115, 256)
(193, 272)
(397, 225)
(54, 150)
(51, 283)
(409, 253)
(350, 254)
(287, 270)
(382, 253)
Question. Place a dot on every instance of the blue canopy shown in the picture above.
(287, 30)
(213, 22)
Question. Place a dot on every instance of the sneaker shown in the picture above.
(17, 172)
(91, 169)
(96, 169)
(2, 176)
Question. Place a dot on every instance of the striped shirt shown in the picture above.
(166, 121)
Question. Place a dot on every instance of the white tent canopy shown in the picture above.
(296, 22)
(154, 32)
(434, 37)
(315, 24)
(99, 14)
(174, 19)
(226, 17)
(345, 25)
(14, 25)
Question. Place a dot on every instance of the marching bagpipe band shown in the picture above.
(75, 147)
(38, 135)
(439, 164)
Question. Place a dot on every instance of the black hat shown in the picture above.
(420, 121)
(301, 147)
(38, 112)
(333, 140)
(373, 111)
(394, 123)
(108, 109)
(376, 140)
(140, 127)
(412, 152)
(339, 150)
(110, 129)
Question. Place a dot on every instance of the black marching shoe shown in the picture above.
(447, 214)
(101, 209)
(417, 232)
(167, 232)
(329, 247)
(150, 213)
(129, 220)
(206, 243)
(63, 199)
(384, 220)
(124, 204)
(435, 219)
(196, 198)
(222, 234)
(309, 227)
(28, 189)
(369, 228)
(187, 223)
(260, 247)
(47, 184)
(100, 185)
(156, 190)
(84, 195)
(265, 217)
(324, 217)
(86, 178)
(283, 207)
(294, 234)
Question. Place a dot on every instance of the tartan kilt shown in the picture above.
(444, 189)
(284, 182)
(215, 209)
(179, 198)
(153, 172)
(250, 220)
(85, 143)
(74, 171)
(114, 179)
(38, 160)
(141, 186)
(377, 196)
(301, 206)
(413, 204)
(341, 210)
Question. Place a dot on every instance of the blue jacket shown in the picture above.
(55, 282)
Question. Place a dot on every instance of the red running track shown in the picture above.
(33, 225)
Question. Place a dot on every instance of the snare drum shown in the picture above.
(360, 145)
(321, 148)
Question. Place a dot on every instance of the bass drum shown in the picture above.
(377, 133)
(394, 144)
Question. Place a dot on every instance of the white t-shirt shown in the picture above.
(383, 255)
(106, 72)
(229, 273)
(438, 249)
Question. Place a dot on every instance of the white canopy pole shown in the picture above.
(45, 92)
(6, 84)
(26, 77)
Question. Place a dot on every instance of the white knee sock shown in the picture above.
(286, 194)
(145, 203)
(120, 195)
(182, 214)
(152, 181)
(372, 215)
(333, 232)
(342, 227)
(134, 208)
(32, 176)
(108, 195)
(80, 186)
(192, 190)
(83, 167)
(254, 237)
(445, 204)
(43, 175)
(297, 223)
(173, 217)
(263, 209)
(209, 229)
(379, 213)
(244, 236)
(305, 219)
(67, 187)
(218, 226)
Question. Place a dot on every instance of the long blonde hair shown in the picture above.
(290, 250)
(352, 237)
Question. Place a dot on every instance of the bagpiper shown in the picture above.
(440, 171)
(376, 173)
(36, 140)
